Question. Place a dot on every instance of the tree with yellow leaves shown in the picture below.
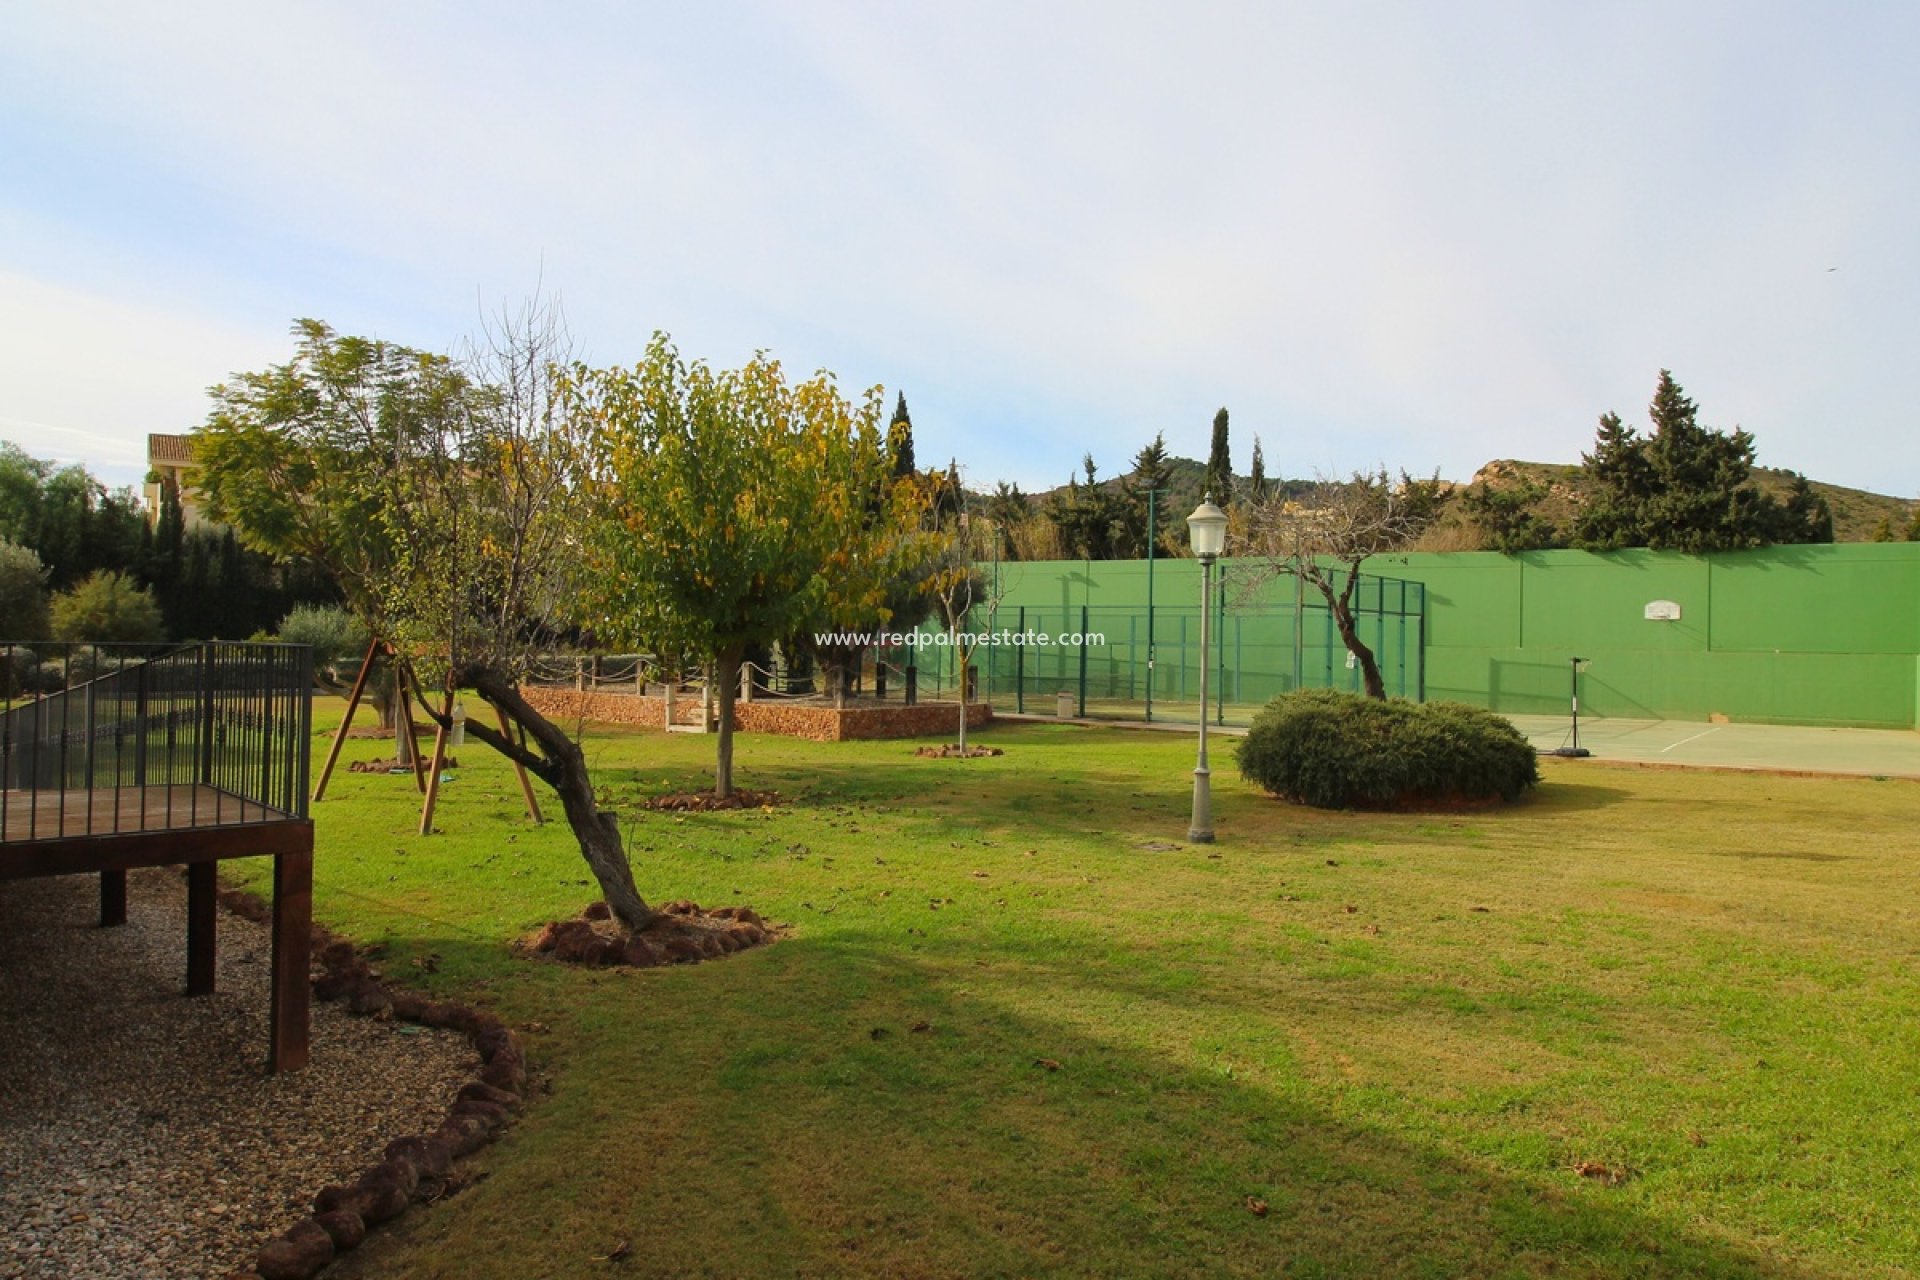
(735, 508)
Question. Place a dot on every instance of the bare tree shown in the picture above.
(958, 588)
(1325, 536)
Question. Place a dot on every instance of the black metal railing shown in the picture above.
(105, 739)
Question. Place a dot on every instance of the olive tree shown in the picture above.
(448, 498)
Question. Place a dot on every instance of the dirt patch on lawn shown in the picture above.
(954, 751)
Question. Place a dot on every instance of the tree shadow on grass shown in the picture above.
(779, 1113)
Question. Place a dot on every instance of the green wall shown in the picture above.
(1825, 635)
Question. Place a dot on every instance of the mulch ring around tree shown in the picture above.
(707, 802)
(681, 933)
(953, 751)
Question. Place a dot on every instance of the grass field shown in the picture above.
(1404, 1033)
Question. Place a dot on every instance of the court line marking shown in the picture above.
(1684, 741)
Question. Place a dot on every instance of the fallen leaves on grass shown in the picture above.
(1256, 1206)
(1050, 1064)
(920, 1026)
(1611, 1175)
(707, 802)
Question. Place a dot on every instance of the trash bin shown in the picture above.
(1063, 705)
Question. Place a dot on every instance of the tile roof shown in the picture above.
(166, 448)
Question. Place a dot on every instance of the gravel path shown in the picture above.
(140, 1135)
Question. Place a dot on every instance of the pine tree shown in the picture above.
(1219, 481)
(900, 439)
(1257, 479)
(1152, 473)
(1804, 517)
(1685, 487)
(1085, 515)
(1622, 482)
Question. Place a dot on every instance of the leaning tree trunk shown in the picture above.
(562, 765)
(727, 675)
(1369, 665)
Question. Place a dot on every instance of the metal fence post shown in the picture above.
(1020, 668)
(1083, 662)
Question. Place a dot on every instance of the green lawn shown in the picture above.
(1402, 1032)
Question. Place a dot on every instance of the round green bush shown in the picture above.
(1341, 751)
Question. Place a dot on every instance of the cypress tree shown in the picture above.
(900, 439)
(1257, 478)
(1219, 480)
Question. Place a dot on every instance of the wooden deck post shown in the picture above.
(289, 1035)
(113, 898)
(201, 926)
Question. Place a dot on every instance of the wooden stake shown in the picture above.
(346, 721)
(439, 763)
(526, 784)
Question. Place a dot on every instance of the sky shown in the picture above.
(1413, 235)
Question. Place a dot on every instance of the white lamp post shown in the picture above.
(1207, 531)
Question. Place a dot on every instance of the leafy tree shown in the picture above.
(1324, 538)
(1008, 509)
(338, 640)
(447, 499)
(1883, 532)
(23, 594)
(70, 520)
(1913, 525)
(883, 582)
(731, 497)
(1506, 517)
(900, 440)
(107, 607)
(958, 588)
(1219, 481)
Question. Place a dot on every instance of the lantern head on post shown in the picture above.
(1207, 531)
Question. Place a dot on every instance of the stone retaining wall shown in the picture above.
(814, 721)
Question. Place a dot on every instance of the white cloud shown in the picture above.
(87, 376)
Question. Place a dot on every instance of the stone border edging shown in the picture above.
(344, 1213)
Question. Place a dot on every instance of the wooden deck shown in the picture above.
(112, 811)
(111, 830)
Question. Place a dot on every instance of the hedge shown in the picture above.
(1340, 751)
